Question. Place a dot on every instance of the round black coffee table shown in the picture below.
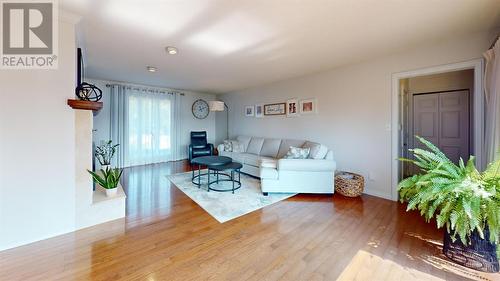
(209, 161)
(233, 167)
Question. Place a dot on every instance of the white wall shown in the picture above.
(37, 149)
(354, 106)
(188, 121)
(101, 127)
(91, 207)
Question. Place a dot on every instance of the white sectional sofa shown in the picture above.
(263, 158)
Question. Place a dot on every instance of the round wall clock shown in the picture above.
(200, 109)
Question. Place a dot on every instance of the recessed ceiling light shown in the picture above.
(151, 68)
(171, 50)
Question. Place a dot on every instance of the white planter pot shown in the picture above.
(111, 192)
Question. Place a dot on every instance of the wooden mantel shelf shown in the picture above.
(85, 105)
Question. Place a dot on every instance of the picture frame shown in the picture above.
(249, 111)
(275, 109)
(308, 106)
(292, 108)
(259, 110)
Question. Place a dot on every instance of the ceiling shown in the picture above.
(231, 45)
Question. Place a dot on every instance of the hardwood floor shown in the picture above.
(166, 236)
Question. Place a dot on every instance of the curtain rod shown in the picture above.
(144, 88)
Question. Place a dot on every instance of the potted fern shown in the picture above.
(461, 199)
(108, 179)
(105, 153)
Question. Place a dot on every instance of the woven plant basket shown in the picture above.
(480, 254)
(347, 186)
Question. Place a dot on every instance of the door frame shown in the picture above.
(477, 116)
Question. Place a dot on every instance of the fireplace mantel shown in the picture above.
(85, 105)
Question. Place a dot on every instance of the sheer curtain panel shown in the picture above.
(142, 122)
(492, 92)
(118, 123)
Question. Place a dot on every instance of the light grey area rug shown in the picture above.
(225, 206)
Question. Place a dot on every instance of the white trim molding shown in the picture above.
(478, 113)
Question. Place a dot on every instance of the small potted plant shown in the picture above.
(105, 153)
(461, 199)
(108, 179)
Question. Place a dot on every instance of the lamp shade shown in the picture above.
(216, 105)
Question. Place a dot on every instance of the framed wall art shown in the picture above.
(275, 109)
(292, 108)
(249, 111)
(309, 106)
(259, 110)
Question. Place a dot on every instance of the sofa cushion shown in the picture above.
(253, 159)
(244, 140)
(255, 145)
(317, 150)
(250, 159)
(270, 147)
(238, 157)
(238, 147)
(285, 146)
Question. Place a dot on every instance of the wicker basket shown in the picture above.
(349, 184)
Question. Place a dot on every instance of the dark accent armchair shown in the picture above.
(199, 146)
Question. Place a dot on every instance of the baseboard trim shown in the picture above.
(379, 194)
(30, 241)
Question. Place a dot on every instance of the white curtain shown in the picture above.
(492, 97)
(118, 121)
(142, 122)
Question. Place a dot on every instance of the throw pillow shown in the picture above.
(228, 145)
(297, 153)
(318, 151)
